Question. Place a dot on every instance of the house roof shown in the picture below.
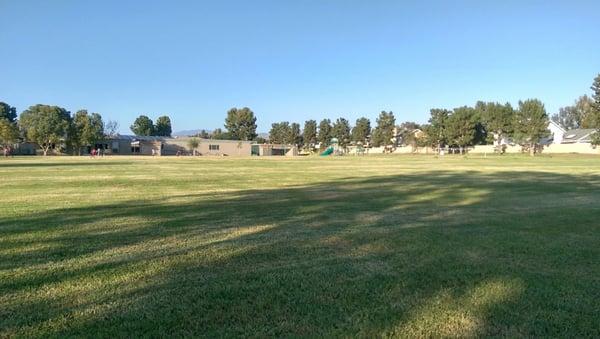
(556, 125)
(167, 139)
(578, 135)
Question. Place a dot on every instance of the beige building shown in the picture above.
(147, 145)
(171, 146)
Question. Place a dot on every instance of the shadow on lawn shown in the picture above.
(415, 255)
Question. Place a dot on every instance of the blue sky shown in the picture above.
(293, 60)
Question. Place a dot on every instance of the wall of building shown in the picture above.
(225, 147)
(583, 148)
(25, 148)
(548, 149)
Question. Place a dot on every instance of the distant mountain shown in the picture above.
(187, 133)
(193, 132)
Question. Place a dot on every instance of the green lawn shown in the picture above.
(371, 246)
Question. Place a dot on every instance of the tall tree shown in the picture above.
(578, 115)
(88, 129)
(436, 130)
(384, 132)
(341, 131)
(324, 132)
(162, 127)
(241, 123)
(295, 134)
(596, 96)
(8, 112)
(461, 127)
(46, 125)
(361, 130)
(9, 133)
(309, 134)
(280, 133)
(531, 124)
(142, 126)
(497, 119)
(595, 114)
(111, 128)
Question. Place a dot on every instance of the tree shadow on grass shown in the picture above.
(435, 253)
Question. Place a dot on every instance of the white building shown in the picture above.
(557, 134)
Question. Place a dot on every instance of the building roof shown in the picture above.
(559, 127)
(167, 139)
(578, 135)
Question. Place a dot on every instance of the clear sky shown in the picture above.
(293, 60)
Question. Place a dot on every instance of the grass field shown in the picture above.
(328, 247)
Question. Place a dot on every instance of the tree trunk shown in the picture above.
(532, 150)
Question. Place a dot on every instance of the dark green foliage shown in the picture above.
(280, 133)
(162, 127)
(9, 132)
(579, 115)
(531, 124)
(596, 96)
(324, 135)
(47, 126)
(88, 129)
(241, 124)
(142, 126)
(341, 131)
(384, 132)
(361, 130)
(496, 119)
(8, 112)
(310, 133)
(461, 127)
(436, 130)
(595, 116)
(295, 134)
(219, 134)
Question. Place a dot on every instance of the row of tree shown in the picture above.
(49, 126)
(144, 126)
(290, 133)
(483, 123)
(53, 126)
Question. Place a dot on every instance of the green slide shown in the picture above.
(328, 151)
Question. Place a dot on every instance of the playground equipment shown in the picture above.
(327, 152)
(332, 149)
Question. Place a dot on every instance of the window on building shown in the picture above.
(213, 147)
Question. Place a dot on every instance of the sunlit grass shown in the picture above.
(354, 246)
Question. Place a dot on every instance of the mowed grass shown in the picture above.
(376, 246)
